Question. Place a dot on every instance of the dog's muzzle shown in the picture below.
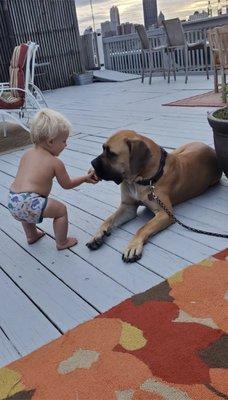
(105, 172)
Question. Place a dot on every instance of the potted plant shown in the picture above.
(218, 120)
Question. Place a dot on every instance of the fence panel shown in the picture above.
(51, 24)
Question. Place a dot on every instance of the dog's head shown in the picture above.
(124, 155)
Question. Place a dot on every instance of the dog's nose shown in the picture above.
(97, 165)
(104, 171)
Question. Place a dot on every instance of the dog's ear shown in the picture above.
(139, 155)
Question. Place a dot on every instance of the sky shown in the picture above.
(131, 10)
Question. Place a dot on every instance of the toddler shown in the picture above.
(28, 197)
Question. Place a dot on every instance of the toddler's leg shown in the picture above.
(58, 211)
(32, 232)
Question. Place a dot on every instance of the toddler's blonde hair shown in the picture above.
(48, 124)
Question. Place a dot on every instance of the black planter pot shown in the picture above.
(220, 131)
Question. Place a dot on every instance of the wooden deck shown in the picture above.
(43, 293)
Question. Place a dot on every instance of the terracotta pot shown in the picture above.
(220, 131)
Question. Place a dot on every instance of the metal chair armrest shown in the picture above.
(10, 89)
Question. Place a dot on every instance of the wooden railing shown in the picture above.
(123, 53)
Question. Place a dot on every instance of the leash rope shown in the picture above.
(152, 196)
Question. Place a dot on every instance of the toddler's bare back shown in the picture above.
(35, 172)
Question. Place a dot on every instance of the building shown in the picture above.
(219, 8)
(198, 15)
(108, 28)
(150, 13)
(161, 18)
(126, 28)
(88, 30)
(90, 49)
(209, 9)
(114, 15)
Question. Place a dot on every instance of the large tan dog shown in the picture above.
(136, 162)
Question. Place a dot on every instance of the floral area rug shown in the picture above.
(168, 343)
(209, 99)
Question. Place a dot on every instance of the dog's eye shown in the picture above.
(110, 154)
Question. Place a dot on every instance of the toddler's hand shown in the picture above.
(91, 177)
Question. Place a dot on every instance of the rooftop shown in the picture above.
(45, 292)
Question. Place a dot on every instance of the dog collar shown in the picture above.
(159, 173)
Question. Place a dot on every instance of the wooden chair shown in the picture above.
(218, 39)
(213, 42)
(148, 52)
(20, 96)
(176, 40)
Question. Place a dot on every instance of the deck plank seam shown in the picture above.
(178, 213)
(149, 241)
(123, 229)
(28, 297)
(10, 341)
(46, 267)
(78, 255)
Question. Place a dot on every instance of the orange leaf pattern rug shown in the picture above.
(168, 343)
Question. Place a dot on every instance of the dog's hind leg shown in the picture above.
(124, 213)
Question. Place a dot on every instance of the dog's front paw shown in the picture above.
(97, 241)
(133, 252)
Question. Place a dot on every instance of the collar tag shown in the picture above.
(151, 194)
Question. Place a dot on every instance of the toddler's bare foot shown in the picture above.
(33, 239)
(70, 242)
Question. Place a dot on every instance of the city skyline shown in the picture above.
(132, 10)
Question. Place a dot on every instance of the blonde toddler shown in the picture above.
(28, 198)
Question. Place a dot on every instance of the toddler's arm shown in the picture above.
(69, 183)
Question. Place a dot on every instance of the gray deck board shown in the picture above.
(46, 292)
(21, 321)
(63, 306)
(8, 351)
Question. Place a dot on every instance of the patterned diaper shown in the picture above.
(27, 206)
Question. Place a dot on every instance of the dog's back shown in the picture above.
(198, 169)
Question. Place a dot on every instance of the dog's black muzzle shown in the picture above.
(104, 171)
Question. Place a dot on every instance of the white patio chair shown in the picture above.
(19, 97)
(148, 52)
(176, 40)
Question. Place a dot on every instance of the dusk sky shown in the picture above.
(131, 10)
